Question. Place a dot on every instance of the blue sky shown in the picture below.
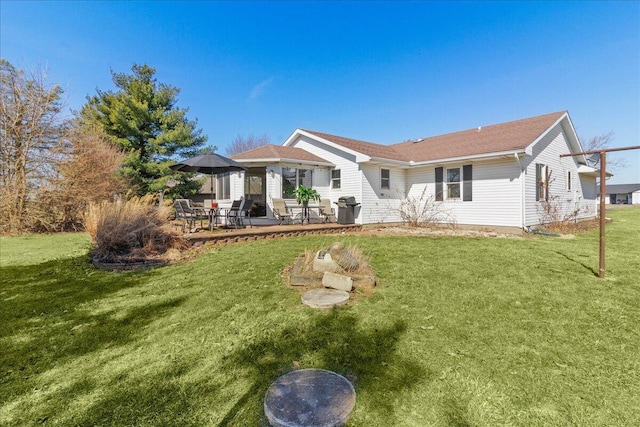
(377, 71)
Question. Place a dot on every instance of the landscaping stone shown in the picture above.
(325, 298)
(309, 397)
(343, 257)
(363, 281)
(337, 281)
(323, 262)
(300, 277)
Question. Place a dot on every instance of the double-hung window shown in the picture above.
(385, 179)
(335, 178)
(453, 183)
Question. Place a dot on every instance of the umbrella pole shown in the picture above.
(212, 216)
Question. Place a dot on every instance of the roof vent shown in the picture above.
(479, 128)
(418, 140)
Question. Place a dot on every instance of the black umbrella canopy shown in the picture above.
(209, 164)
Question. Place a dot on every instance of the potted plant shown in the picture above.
(304, 194)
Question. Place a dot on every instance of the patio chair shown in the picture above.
(245, 211)
(187, 214)
(281, 212)
(233, 213)
(326, 211)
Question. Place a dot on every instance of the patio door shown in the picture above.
(255, 189)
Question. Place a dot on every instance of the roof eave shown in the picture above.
(401, 163)
(360, 157)
(287, 160)
(483, 156)
(571, 133)
(593, 172)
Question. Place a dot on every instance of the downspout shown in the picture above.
(522, 192)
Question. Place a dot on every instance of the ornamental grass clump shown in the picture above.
(129, 229)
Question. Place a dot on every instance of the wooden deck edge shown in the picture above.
(246, 235)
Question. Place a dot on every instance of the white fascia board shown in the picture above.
(298, 132)
(389, 162)
(529, 149)
(571, 134)
(486, 156)
(307, 162)
(589, 171)
(284, 160)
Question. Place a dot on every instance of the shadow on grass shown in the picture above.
(456, 413)
(158, 399)
(591, 269)
(40, 326)
(334, 341)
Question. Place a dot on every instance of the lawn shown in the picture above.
(461, 331)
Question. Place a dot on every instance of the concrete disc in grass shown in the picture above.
(309, 397)
(324, 298)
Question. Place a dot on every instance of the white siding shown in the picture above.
(547, 151)
(350, 174)
(495, 189)
(382, 205)
(237, 185)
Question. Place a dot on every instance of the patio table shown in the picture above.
(211, 213)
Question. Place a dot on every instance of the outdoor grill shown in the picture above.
(346, 210)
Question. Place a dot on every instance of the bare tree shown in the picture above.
(31, 125)
(601, 142)
(88, 172)
(241, 144)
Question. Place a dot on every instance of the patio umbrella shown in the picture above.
(212, 164)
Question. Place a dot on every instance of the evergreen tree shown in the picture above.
(142, 118)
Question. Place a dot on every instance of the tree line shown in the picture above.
(121, 142)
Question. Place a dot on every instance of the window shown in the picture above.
(288, 183)
(304, 177)
(224, 186)
(453, 183)
(385, 179)
(254, 187)
(335, 178)
(542, 182)
(457, 186)
(569, 181)
(292, 178)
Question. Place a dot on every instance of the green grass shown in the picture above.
(462, 332)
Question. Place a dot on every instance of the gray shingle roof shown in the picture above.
(622, 188)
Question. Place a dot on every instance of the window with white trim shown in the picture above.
(453, 183)
(335, 178)
(457, 186)
(385, 179)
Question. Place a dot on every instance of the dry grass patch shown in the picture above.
(301, 272)
(130, 230)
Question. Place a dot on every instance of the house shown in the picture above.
(625, 194)
(501, 175)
